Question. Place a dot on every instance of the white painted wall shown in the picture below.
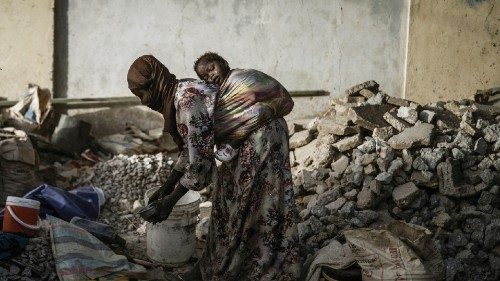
(306, 45)
(26, 45)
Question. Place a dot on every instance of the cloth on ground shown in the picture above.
(81, 256)
(81, 202)
(11, 245)
(334, 255)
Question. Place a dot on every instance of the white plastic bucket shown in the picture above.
(173, 241)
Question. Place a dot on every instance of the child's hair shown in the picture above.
(210, 56)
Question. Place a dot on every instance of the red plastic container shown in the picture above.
(21, 216)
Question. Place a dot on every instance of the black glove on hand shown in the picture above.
(167, 187)
(165, 205)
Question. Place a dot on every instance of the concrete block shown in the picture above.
(369, 116)
(348, 143)
(420, 134)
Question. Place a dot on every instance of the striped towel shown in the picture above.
(81, 256)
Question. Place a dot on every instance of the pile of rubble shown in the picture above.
(124, 180)
(35, 263)
(373, 158)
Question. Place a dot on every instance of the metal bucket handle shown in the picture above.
(19, 221)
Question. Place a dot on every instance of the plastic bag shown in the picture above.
(401, 251)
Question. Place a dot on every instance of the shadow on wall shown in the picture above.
(61, 49)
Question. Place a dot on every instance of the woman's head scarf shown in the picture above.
(149, 74)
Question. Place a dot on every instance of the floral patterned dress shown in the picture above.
(253, 227)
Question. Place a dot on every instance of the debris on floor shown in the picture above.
(369, 163)
(375, 158)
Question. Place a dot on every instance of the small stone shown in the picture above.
(424, 178)
(336, 205)
(492, 133)
(464, 141)
(304, 214)
(427, 116)
(370, 169)
(404, 195)
(377, 99)
(457, 153)
(320, 188)
(312, 126)
(366, 199)
(348, 143)
(368, 146)
(397, 101)
(453, 268)
(351, 195)
(432, 156)
(300, 139)
(487, 176)
(340, 165)
(384, 177)
(407, 160)
(367, 216)
(442, 220)
(492, 234)
(395, 166)
(316, 225)
(324, 153)
(481, 124)
(468, 128)
(376, 187)
(348, 209)
(458, 238)
(408, 114)
(366, 93)
(304, 230)
(318, 211)
(14, 270)
(481, 146)
(383, 133)
(294, 128)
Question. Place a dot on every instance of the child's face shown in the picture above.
(212, 72)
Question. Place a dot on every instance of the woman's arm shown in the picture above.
(196, 162)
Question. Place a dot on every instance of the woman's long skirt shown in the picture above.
(253, 228)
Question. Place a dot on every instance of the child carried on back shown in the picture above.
(247, 100)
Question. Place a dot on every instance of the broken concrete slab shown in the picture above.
(451, 181)
(397, 101)
(348, 143)
(300, 139)
(369, 116)
(392, 118)
(369, 85)
(404, 195)
(366, 93)
(329, 126)
(418, 135)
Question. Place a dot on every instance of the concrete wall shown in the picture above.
(306, 45)
(453, 49)
(26, 46)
